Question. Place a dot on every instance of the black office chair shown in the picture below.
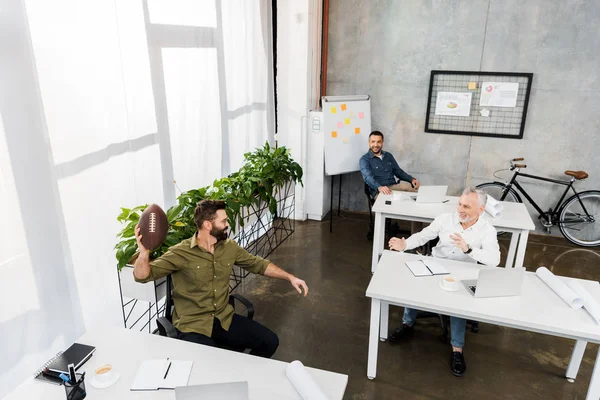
(165, 323)
(444, 320)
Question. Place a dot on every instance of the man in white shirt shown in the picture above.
(463, 236)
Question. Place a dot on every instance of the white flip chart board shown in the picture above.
(347, 125)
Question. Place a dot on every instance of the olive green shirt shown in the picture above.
(201, 281)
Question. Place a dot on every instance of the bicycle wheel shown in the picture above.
(577, 226)
(497, 189)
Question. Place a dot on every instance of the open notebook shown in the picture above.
(162, 374)
(427, 267)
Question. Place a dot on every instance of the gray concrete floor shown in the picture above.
(329, 329)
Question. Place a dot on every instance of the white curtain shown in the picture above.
(248, 68)
(218, 78)
(103, 105)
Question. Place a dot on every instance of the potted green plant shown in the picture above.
(263, 174)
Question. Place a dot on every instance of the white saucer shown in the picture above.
(103, 385)
(447, 289)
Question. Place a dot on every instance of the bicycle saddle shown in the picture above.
(577, 174)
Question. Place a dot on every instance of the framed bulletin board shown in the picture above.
(475, 103)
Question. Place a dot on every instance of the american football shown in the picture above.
(153, 226)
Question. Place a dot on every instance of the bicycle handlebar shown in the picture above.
(518, 159)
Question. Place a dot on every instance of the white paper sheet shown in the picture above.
(589, 303)
(562, 290)
(494, 207)
(435, 267)
(305, 385)
(499, 94)
(151, 374)
(453, 104)
(397, 195)
(418, 268)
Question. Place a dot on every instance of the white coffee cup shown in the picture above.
(449, 282)
(104, 373)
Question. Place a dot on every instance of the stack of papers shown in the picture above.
(494, 207)
(426, 267)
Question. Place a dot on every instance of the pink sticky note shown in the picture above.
(340, 125)
(361, 115)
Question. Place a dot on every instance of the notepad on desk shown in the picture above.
(77, 354)
(162, 374)
(426, 268)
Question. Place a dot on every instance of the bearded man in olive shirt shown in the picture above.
(200, 268)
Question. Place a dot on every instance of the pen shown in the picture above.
(445, 201)
(167, 372)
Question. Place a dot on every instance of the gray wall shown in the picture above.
(387, 48)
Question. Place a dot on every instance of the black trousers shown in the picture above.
(242, 334)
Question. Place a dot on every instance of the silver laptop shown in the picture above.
(496, 282)
(213, 391)
(430, 194)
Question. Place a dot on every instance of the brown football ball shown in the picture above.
(154, 226)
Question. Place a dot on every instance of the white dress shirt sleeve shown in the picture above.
(427, 234)
(489, 253)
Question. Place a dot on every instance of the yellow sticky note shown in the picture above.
(347, 121)
(343, 107)
(472, 85)
(357, 131)
(334, 134)
(345, 140)
(333, 110)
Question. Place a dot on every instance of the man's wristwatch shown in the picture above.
(469, 250)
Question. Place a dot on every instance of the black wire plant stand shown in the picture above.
(262, 233)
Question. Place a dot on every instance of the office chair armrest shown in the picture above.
(244, 301)
(166, 328)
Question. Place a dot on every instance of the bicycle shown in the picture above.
(577, 217)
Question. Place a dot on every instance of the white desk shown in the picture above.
(126, 349)
(537, 309)
(514, 219)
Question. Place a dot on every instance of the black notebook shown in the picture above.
(77, 354)
(39, 374)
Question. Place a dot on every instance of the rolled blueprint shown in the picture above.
(494, 207)
(562, 290)
(589, 303)
(306, 387)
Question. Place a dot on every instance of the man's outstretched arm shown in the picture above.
(273, 271)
